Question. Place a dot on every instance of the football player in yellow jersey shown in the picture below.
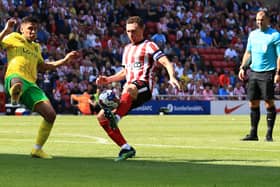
(24, 60)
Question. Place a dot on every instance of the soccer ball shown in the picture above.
(109, 99)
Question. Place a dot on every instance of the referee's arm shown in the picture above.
(277, 76)
(245, 61)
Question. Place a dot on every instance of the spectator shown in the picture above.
(239, 91)
(90, 37)
(161, 25)
(196, 61)
(178, 67)
(96, 43)
(224, 78)
(230, 21)
(207, 40)
(223, 92)
(232, 78)
(231, 53)
(159, 38)
(84, 103)
(208, 93)
(213, 78)
(72, 43)
(43, 35)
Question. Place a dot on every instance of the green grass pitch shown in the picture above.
(187, 151)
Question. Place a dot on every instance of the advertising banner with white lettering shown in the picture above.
(173, 107)
(236, 107)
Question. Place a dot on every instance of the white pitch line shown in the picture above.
(99, 140)
(51, 141)
(105, 142)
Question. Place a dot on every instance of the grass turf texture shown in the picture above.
(171, 151)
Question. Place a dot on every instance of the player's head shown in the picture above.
(135, 29)
(262, 19)
(28, 28)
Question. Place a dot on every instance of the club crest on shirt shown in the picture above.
(28, 52)
(137, 65)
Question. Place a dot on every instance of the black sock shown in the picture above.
(270, 118)
(255, 118)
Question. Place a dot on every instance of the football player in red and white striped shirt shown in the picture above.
(139, 61)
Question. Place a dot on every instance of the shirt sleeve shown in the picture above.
(123, 56)
(277, 44)
(8, 40)
(155, 51)
(249, 43)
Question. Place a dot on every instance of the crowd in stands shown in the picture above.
(180, 28)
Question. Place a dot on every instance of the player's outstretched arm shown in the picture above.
(101, 80)
(52, 65)
(170, 69)
(8, 28)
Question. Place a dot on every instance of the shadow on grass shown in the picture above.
(21, 170)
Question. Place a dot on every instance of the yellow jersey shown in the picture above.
(23, 56)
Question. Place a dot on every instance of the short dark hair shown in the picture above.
(265, 11)
(30, 19)
(135, 19)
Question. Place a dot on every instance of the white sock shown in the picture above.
(37, 147)
(125, 146)
(118, 117)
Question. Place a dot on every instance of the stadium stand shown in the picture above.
(81, 25)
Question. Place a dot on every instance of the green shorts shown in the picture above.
(31, 93)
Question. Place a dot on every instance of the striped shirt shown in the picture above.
(140, 61)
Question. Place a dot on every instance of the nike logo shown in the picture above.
(230, 110)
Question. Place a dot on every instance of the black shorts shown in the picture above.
(95, 109)
(144, 93)
(261, 85)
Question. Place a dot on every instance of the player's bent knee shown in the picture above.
(132, 90)
(103, 122)
(50, 116)
(100, 116)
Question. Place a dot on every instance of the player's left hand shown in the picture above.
(72, 55)
(175, 83)
(10, 25)
(101, 80)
